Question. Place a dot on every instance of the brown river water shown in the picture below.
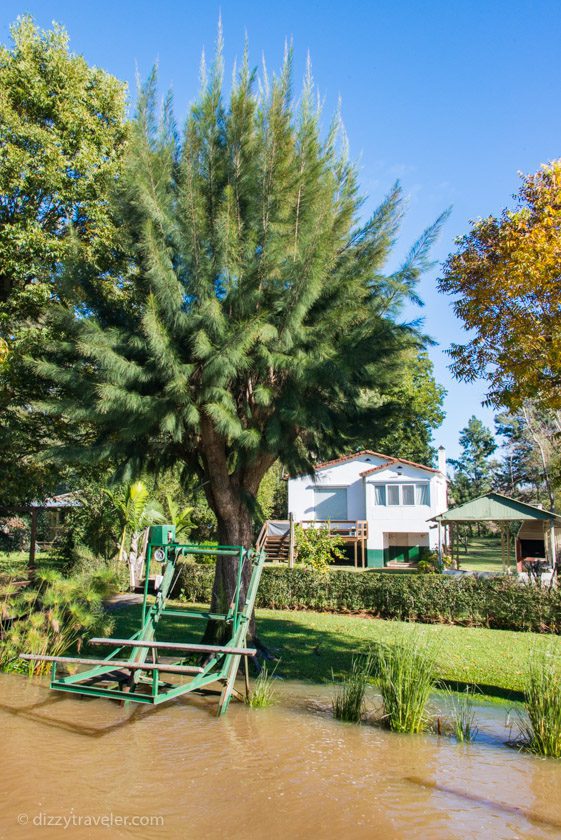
(289, 771)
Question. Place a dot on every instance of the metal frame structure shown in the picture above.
(132, 677)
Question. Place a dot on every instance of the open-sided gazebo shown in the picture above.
(500, 509)
(54, 505)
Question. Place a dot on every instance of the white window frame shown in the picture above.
(400, 485)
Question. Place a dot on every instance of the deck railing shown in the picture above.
(353, 531)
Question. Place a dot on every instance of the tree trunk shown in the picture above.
(139, 561)
(32, 564)
(228, 494)
(234, 530)
(539, 442)
(133, 554)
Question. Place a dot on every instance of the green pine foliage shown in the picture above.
(473, 471)
(247, 312)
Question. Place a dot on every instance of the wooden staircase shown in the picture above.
(277, 549)
(276, 546)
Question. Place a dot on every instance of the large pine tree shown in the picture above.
(248, 315)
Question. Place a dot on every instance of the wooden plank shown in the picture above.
(131, 666)
(194, 648)
(228, 689)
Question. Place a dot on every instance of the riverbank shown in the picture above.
(314, 646)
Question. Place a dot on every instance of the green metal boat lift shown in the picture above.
(127, 675)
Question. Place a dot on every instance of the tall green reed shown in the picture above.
(406, 673)
(263, 693)
(541, 730)
(464, 720)
(348, 704)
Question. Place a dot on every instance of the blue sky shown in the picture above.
(452, 97)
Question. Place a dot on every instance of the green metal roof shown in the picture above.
(494, 507)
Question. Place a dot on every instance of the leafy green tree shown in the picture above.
(272, 498)
(421, 412)
(62, 134)
(258, 312)
(531, 467)
(473, 471)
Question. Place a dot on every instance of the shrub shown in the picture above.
(502, 603)
(14, 534)
(317, 547)
(429, 563)
(53, 616)
(348, 702)
(406, 672)
(542, 731)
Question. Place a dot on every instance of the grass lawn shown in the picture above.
(13, 564)
(312, 646)
(484, 555)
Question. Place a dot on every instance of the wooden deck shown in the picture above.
(277, 537)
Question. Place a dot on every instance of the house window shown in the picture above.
(330, 503)
(405, 495)
(422, 494)
(408, 494)
(393, 494)
(380, 494)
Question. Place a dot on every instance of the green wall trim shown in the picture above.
(375, 558)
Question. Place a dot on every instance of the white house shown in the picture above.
(394, 496)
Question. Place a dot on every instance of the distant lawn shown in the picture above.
(484, 555)
(13, 564)
(312, 646)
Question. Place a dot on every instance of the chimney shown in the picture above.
(442, 460)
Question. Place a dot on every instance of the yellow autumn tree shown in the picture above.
(506, 276)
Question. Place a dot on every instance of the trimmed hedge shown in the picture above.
(501, 603)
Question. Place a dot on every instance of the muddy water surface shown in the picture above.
(285, 772)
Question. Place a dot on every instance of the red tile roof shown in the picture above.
(401, 461)
(388, 460)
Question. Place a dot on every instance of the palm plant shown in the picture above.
(136, 511)
(180, 517)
